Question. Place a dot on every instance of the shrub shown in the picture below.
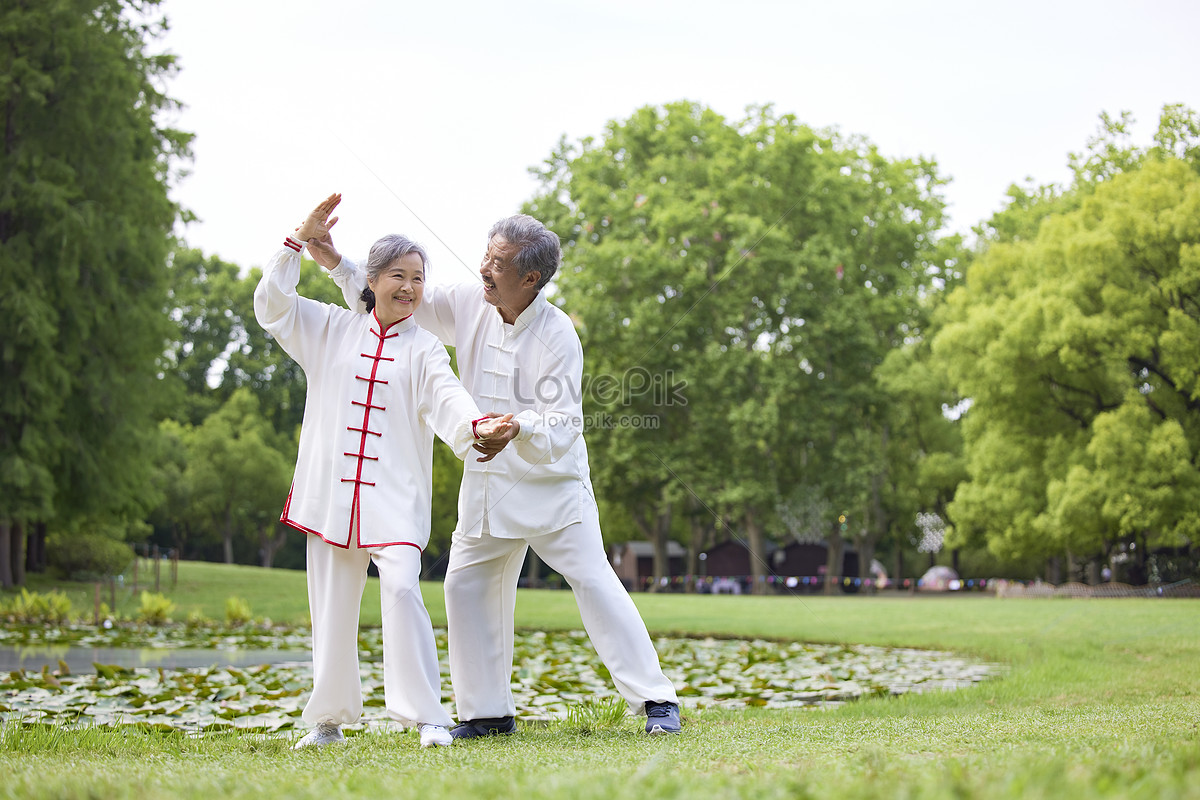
(196, 619)
(87, 555)
(33, 608)
(155, 609)
(237, 611)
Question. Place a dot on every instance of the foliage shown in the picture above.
(447, 476)
(88, 553)
(203, 302)
(232, 390)
(1077, 345)
(738, 285)
(237, 611)
(85, 220)
(155, 609)
(35, 608)
(237, 476)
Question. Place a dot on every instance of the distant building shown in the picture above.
(634, 562)
(725, 567)
(807, 562)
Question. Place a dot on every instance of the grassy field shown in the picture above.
(1101, 699)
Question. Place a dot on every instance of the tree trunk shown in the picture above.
(695, 547)
(662, 535)
(1053, 570)
(877, 521)
(866, 554)
(180, 533)
(643, 520)
(758, 552)
(227, 536)
(533, 569)
(833, 560)
(898, 566)
(35, 548)
(6, 578)
(17, 558)
(269, 543)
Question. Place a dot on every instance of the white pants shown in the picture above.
(411, 679)
(481, 596)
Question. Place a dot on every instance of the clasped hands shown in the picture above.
(494, 434)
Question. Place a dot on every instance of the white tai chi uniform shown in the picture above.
(363, 486)
(536, 493)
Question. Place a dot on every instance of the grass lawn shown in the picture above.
(1101, 699)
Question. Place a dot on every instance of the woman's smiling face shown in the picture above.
(398, 288)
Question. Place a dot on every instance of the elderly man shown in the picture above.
(518, 352)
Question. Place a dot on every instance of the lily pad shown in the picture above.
(552, 672)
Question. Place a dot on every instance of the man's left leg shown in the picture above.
(611, 619)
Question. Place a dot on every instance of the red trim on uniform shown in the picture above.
(364, 431)
(475, 422)
(298, 527)
(367, 406)
(291, 243)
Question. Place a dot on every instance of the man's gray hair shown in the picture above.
(383, 253)
(537, 248)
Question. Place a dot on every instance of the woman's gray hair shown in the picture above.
(383, 253)
(537, 248)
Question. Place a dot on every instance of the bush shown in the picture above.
(237, 611)
(196, 620)
(32, 608)
(87, 556)
(155, 609)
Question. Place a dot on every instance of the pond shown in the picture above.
(263, 687)
(79, 659)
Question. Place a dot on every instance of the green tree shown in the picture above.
(1078, 344)
(923, 450)
(85, 218)
(205, 303)
(217, 346)
(238, 478)
(257, 362)
(763, 269)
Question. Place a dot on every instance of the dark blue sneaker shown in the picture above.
(662, 718)
(489, 726)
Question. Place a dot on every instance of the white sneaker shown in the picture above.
(325, 733)
(434, 735)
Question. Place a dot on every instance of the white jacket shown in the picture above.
(541, 482)
(364, 473)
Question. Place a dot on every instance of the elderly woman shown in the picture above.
(379, 387)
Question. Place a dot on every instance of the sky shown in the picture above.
(427, 117)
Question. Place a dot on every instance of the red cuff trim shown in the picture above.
(293, 244)
(475, 422)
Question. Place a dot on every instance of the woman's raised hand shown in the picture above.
(318, 224)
